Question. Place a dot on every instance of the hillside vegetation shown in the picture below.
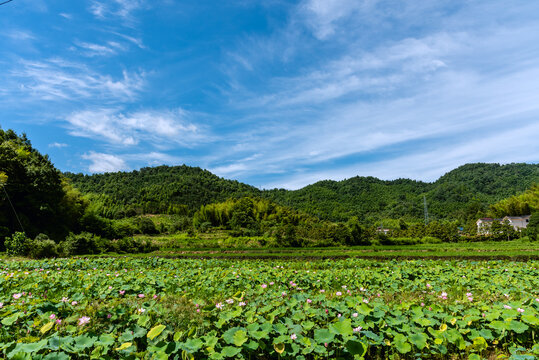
(157, 190)
(462, 194)
(522, 204)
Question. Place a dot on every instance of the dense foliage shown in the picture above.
(349, 309)
(462, 194)
(156, 190)
(42, 200)
(522, 204)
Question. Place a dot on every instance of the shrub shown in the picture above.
(122, 229)
(83, 243)
(18, 244)
(145, 226)
(43, 247)
(132, 245)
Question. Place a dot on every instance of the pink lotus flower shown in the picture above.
(355, 315)
(230, 301)
(271, 283)
(520, 310)
(309, 301)
(52, 316)
(283, 293)
(293, 336)
(58, 321)
(219, 305)
(84, 320)
(141, 296)
(141, 310)
(17, 296)
(358, 329)
(74, 303)
(264, 286)
(64, 299)
(122, 292)
(338, 293)
(241, 303)
(155, 296)
(365, 301)
(507, 307)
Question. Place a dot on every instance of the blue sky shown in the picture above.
(273, 93)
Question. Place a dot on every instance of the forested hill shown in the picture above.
(161, 189)
(463, 193)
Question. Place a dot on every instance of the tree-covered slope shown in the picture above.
(522, 204)
(162, 189)
(471, 188)
(366, 197)
(463, 193)
(41, 200)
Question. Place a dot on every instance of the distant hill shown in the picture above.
(463, 193)
(161, 189)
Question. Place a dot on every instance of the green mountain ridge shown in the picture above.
(461, 194)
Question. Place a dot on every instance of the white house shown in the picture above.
(518, 222)
(484, 224)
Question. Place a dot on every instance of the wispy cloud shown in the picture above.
(106, 162)
(57, 79)
(116, 8)
(366, 103)
(91, 49)
(322, 16)
(19, 35)
(58, 145)
(126, 129)
(102, 163)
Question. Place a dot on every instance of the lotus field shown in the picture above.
(156, 308)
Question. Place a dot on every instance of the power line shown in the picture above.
(5, 2)
(10, 203)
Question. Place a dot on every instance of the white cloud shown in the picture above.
(116, 8)
(57, 79)
(322, 15)
(19, 35)
(101, 163)
(66, 16)
(58, 145)
(91, 49)
(410, 107)
(118, 128)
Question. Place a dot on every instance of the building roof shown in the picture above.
(517, 217)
